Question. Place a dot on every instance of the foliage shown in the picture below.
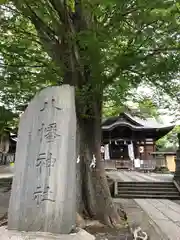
(161, 170)
(170, 141)
(142, 46)
(24, 67)
(121, 43)
(7, 119)
(136, 105)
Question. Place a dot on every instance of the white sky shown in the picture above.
(164, 114)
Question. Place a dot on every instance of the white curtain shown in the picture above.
(131, 151)
(137, 163)
(106, 152)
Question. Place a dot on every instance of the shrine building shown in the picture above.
(126, 138)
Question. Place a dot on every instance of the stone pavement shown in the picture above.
(164, 214)
(138, 217)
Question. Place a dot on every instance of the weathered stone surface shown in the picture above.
(43, 194)
(15, 235)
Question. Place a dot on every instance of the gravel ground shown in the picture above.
(106, 233)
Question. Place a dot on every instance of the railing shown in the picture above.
(124, 164)
(109, 164)
(7, 158)
(146, 165)
(117, 164)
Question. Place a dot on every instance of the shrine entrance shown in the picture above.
(130, 141)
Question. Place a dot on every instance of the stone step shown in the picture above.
(146, 183)
(148, 192)
(142, 188)
(146, 186)
(134, 196)
(159, 190)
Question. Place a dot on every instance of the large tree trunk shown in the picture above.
(95, 194)
(72, 57)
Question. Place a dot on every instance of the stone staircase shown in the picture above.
(158, 190)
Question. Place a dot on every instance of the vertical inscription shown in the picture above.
(46, 161)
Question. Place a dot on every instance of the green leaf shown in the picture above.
(4, 1)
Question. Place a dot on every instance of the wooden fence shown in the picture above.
(127, 164)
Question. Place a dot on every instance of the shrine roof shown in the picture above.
(135, 123)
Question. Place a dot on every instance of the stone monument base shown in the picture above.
(6, 234)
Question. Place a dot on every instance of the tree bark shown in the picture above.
(96, 201)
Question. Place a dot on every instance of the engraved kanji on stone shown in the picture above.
(40, 161)
(46, 194)
(45, 160)
(41, 132)
(49, 163)
(41, 195)
(44, 107)
(54, 104)
(50, 132)
(38, 195)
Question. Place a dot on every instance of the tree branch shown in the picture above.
(59, 8)
(48, 37)
(41, 25)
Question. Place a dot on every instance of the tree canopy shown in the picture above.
(121, 43)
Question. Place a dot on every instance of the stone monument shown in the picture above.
(43, 196)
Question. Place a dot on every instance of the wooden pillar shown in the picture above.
(145, 150)
(177, 162)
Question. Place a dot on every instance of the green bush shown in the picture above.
(161, 169)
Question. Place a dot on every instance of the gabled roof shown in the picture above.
(134, 123)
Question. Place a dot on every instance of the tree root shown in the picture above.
(108, 221)
(80, 222)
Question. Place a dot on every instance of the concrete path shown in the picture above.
(6, 172)
(130, 176)
(165, 214)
